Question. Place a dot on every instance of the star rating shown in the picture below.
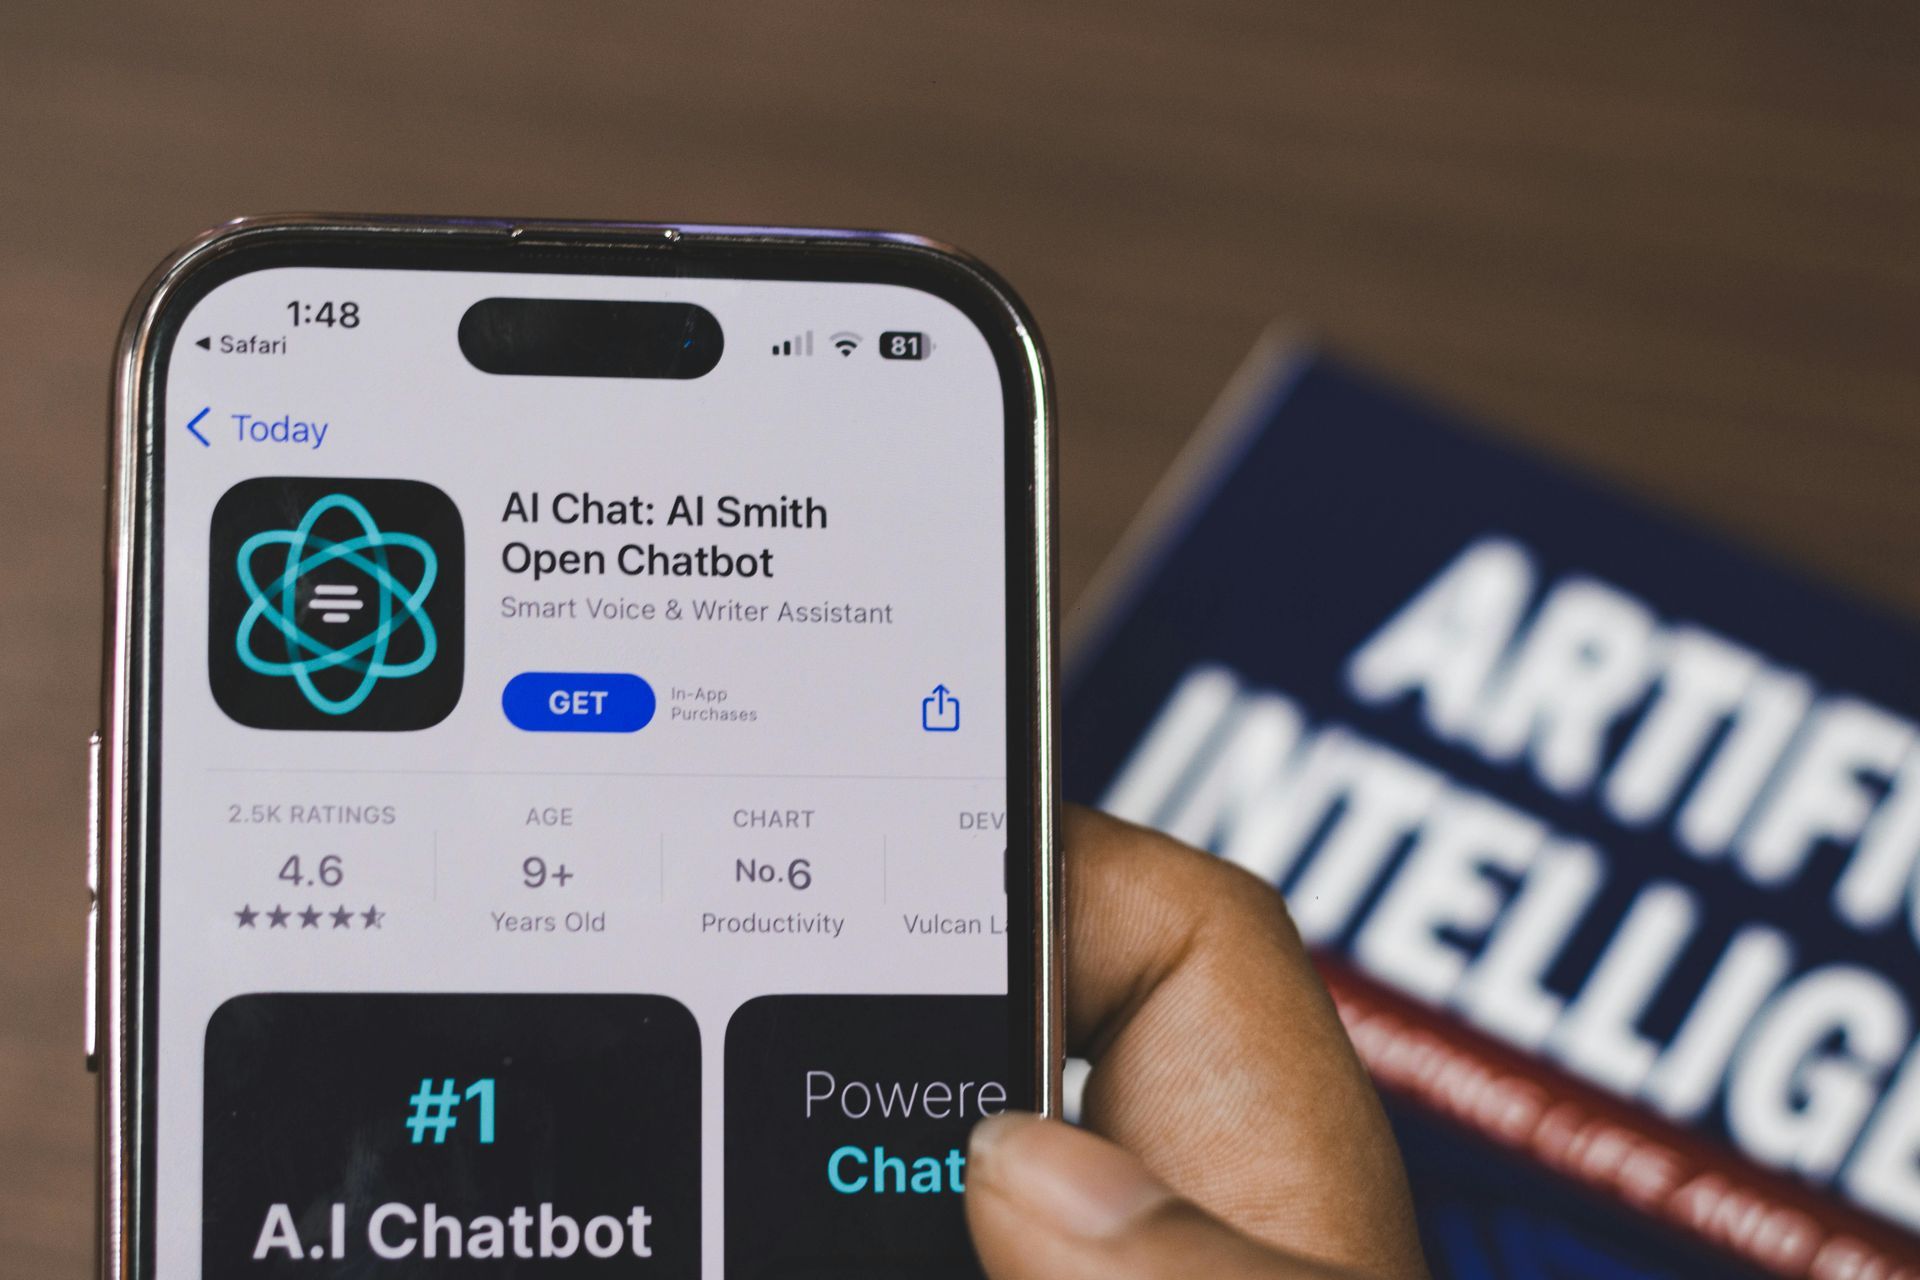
(310, 917)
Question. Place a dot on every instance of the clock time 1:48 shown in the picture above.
(344, 314)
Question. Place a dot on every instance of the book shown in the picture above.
(1605, 833)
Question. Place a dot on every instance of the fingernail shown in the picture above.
(1087, 1186)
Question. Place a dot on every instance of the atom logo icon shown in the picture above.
(336, 604)
(307, 554)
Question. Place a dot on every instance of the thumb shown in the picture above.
(1049, 1202)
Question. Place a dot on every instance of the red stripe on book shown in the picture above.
(1599, 1142)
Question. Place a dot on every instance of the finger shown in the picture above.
(1049, 1202)
(1217, 1055)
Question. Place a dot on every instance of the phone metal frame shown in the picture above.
(119, 767)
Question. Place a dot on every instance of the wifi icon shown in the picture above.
(848, 343)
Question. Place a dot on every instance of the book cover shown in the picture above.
(1605, 833)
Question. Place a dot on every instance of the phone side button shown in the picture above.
(95, 786)
(95, 789)
(93, 986)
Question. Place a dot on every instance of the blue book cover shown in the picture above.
(1606, 834)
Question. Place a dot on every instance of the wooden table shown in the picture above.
(1675, 242)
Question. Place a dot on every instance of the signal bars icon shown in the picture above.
(800, 344)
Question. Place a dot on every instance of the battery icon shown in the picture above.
(901, 344)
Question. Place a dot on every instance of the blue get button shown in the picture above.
(577, 702)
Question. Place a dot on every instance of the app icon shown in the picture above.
(336, 604)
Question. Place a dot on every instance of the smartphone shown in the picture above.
(575, 790)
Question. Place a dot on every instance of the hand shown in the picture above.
(1238, 1135)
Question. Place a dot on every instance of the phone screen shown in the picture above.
(581, 799)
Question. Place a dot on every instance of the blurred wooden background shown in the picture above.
(1676, 242)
